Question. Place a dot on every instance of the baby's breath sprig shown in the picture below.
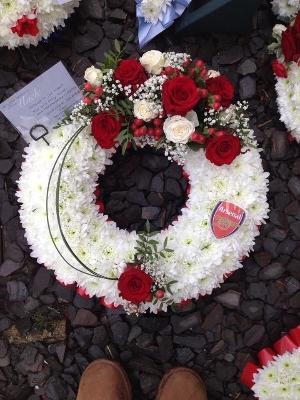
(148, 255)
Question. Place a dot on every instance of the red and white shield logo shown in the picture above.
(226, 219)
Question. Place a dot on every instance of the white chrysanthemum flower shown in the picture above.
(152, 10)
(279, 379)
(48, 13)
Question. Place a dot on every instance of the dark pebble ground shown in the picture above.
(217, 334)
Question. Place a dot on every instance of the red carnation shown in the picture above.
(134, 284)
(26, 26)
(279, 69)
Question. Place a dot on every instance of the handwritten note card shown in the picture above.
(63, 1)
(42, 102)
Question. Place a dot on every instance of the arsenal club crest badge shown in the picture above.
(226, 219)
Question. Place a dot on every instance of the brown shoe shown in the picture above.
(181, 383)
(104, 380)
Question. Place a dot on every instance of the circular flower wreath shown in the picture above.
(279, 379)
(25, 23)
(163, 102)
(286, 66)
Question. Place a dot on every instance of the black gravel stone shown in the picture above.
(216, 334)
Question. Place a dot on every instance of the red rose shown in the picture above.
(223, 149)
(288, 44)
(296, 26)
(179, 95)
(279, 69)
(223, 87)
(134, 284)
(105, 128)
(130, 72)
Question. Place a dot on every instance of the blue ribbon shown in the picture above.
(148, 31)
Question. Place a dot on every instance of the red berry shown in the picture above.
(187, 62)
(133, 126)
(200, 64)
(98, 91)
(143, 130)
(136, 133)
(158, 132)
(149, 297)
(194, 136)
(192, 71)
(217, 97)
(204, 73)
(138, 122)
(201, 139)
(88, 87)
(211, 131)
(169, 70)
(157, 122)
(221, 133)
(176, 71)
(87, 100)
(162, 73)
(160, 294)
(216, 105)
(203, 93)
(150, 132)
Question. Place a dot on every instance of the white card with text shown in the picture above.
(63, 1)
(42, 102)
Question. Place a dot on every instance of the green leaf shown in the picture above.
(161, 306)
(169, 250)
(124, 148)
(134, 144)
(171, 283)
(170, 301)
(165, 241)
(148, 226)
(155, 301)
(153, 241)
(194, 146)
(169, 290)
(162, 254)
(154, 233)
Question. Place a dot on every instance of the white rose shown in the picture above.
(213, 74)
(178, 129)
(144, 110)
(94, 76)
(227, 115)
(277, 31)
(153, 62)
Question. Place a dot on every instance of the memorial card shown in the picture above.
(40, 105)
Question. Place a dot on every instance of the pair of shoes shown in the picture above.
(106, 380)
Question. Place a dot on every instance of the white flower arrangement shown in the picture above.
(199, 260)
(26, 22)
(126, 104)
(287, 72)
(279, 379)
